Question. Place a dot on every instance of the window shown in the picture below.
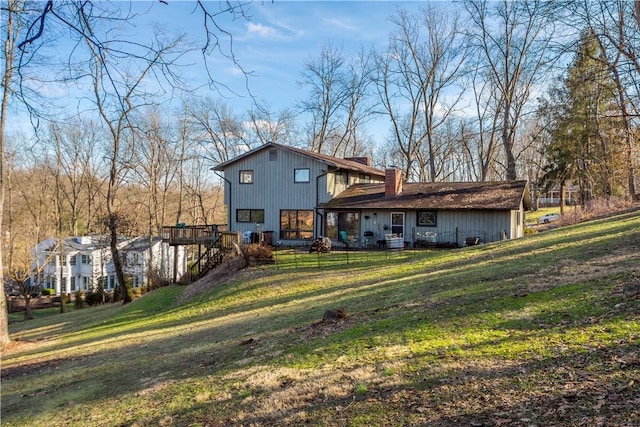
(86, 259)
(342, 221)
(301, 175)
(295, 224)
(246, 177)
(427, 219)
(363, 178)
(72, 260)
(73, 284)
(255, 216)
(341, 178)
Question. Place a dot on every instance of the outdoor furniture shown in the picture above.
(344, 238)
(368, 239)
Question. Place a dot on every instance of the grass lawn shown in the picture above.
(542, 331)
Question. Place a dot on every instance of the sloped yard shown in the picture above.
(541, 331)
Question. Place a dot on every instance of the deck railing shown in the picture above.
(208, 235)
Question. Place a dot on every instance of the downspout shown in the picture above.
(229, 210)
(318, 214)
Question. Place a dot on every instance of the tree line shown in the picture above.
(475, 91)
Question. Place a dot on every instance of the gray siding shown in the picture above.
(453, 226)
(273, 187)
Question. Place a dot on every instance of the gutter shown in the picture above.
(229, 206)
(318, 214)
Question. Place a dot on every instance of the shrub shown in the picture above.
(79, 299)
(93, 298)
(156, 281)
(48, 292)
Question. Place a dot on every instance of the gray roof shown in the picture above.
(329, 160)
(494, 195)
(140, 244)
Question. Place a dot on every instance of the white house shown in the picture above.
(79, 263)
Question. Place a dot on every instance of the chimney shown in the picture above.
(362, 160)
(392, 182)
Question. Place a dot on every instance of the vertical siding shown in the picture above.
(273, 187)
(453, 226)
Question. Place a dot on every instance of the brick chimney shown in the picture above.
(392, 182)
(362, 160)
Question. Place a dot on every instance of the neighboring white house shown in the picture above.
(79, 263)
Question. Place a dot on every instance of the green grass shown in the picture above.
(542, 330)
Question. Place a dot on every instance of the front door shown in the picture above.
(397, 223)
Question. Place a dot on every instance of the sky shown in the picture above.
(273, 45)
(282, 36)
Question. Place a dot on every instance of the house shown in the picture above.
(297, 195)
(80, 263)
(277, 189)
(430, 214)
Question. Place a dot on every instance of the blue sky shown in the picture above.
(280, 37)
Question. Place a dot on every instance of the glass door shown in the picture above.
(397, 223)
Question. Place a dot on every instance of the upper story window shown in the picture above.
(341, 178)
(86, 259)
(72, 260)
(301, 175)
(246, 177)
(364, 178)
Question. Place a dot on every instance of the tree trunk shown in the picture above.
(9, 46)
(28, 310)
(117, 262)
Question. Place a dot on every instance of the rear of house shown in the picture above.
(292, 196)
(430, 214)
(277, 190)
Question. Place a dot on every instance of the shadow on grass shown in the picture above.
(199, 339)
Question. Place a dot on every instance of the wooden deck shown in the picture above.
(207, 235)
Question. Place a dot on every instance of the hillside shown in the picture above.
(542, 331)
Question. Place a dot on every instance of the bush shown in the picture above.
(79, 300)
(94, 298)
(117, 294)
(48, 292)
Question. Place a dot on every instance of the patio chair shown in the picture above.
(344, 238)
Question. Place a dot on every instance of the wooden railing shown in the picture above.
(192, 234)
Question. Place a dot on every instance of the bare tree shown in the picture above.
(74, 168)
(513, 40)
(266, 126)
(218, 129)
(91, 23)
(417, 88)
(616, 32)
(338, 103)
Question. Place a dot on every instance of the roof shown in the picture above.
(493, 195)
(140, 244)
(329, 160)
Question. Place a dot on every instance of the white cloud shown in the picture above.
(262, 31)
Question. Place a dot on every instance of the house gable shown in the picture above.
(275, 185)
